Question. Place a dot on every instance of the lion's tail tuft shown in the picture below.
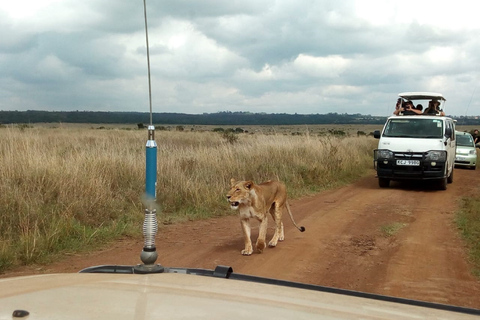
(302, 228)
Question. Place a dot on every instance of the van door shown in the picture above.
(450, 147)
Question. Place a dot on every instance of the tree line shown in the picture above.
(219, 118)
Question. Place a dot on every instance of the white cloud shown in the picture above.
(302, 66)
(321, 67)
(25, 9)
(442, 55)
(265, 74)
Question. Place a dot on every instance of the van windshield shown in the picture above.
(465, 140)
(414, 128)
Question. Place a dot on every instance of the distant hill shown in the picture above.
(220, 118)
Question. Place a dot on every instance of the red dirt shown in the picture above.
(343, 245)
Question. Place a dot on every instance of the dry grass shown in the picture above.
(468, 223)
(65, 189)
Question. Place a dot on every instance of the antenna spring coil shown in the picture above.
(150, 228)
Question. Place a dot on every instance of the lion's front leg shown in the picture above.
(262, 234)
(246, 236)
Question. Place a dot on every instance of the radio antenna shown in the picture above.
(468, 106)
(150, 225)
(148, 61)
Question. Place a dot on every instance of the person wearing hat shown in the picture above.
(433, 108)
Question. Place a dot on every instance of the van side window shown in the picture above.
(449, 124)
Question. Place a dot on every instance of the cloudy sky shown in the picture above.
(291, 56)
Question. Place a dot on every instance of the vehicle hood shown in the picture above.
(183, 296)
(411, 144)
(464, 150)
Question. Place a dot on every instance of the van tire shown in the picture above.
(443, 184)
(450, 177)
(383, 182)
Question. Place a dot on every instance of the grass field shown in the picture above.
(468, 222)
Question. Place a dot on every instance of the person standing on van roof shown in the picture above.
(398, 107)
(433, 108)
(410, 109)
(405, 108)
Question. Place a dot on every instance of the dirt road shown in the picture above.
(345, 244)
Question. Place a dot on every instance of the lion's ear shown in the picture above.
(248, 184)
(232, 182)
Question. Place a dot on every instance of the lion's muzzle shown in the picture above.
(234, 204)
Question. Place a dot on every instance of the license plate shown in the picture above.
(459, 158)
(408, 162)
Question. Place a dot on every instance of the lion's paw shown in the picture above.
(260, 245)
(247, 252)
(272, 244)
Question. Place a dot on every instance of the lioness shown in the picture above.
(255, 201)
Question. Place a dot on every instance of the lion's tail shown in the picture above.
(302, 228)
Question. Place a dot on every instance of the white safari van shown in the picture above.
(416, 145)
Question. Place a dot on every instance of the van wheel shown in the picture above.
(450, 177)
(383, 182)
(443, 184)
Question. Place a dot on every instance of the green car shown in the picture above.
(466, 154)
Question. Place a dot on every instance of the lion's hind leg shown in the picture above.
(276, 212)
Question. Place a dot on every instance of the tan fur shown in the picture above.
(255, 201)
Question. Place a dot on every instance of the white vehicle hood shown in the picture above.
(410, 145)
(182, 296)
(464, 150)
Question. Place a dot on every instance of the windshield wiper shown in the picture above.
(399, 136)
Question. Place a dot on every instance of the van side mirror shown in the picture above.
(376, 134)
(448, 135)
(448, 132)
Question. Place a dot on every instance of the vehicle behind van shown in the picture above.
(416, 147)
(466, 155)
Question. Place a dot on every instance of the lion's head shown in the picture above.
(239, 193)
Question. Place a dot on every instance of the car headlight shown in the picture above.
(472, 152)
(384, 154)
(436, 156)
